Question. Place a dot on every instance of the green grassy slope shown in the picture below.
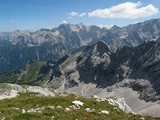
(30, 75)
(13, 108)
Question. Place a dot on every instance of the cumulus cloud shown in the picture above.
(73, 14)
(65, 22)
(127, 10)
(82, 14)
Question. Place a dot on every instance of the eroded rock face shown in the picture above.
(40, 90)
(91, 62)
(117, 102)
(98, 65)
(11, 90)
(141, 62)
(120, 103)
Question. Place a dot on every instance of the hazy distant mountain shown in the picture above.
(79, 35)
(19, 47)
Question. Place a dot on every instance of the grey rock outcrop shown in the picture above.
(11, 90)
(98, 65)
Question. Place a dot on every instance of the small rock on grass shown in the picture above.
(104, 112)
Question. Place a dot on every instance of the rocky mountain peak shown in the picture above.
(115, 27)
(98, 49)
(102, 47)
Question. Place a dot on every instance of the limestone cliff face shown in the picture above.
(98, 65)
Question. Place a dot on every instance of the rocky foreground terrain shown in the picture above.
(41, 104)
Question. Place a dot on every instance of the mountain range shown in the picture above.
(19, 47)
(88, 61)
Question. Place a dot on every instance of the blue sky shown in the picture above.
(36, 14)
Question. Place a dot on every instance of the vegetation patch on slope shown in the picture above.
(31, 74)
(31, 106)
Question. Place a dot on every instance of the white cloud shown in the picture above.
(73, 14)
(128, 10)
(82, 14)
(65, 22)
